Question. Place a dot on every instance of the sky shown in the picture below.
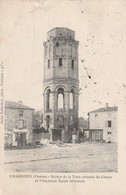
(100, 28)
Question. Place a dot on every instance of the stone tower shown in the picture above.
(61, 84)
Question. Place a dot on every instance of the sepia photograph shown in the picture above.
(63, 84)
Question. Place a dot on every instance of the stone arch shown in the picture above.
(46, 88)
(74, 88)
(60, 86)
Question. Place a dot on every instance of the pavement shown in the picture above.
(79, 157)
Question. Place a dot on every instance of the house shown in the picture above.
(103, 124)
(18, 124)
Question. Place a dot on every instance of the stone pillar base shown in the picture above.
(66, 136)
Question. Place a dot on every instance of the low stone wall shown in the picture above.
(42, 138)
(8, 140)
(66, 136)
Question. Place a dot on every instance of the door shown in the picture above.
(97, 136)
(22, 139)
(56, 134)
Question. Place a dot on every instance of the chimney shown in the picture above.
(107, 105)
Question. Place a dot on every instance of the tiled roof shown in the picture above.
(16, 105)
(108, 109)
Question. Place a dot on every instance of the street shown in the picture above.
(82, 157)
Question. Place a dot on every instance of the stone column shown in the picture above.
(54, 107)
(67, 105)
(44, 121)
(76, 106)
(27, 137)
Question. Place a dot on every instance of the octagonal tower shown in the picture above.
(61, 84)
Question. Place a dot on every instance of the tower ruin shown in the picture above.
(61, 84)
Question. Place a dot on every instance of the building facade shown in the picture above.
(103, 124)
(61, 84)
(18, 124)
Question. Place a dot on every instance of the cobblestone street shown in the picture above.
(83, 157)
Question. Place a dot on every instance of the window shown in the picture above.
(48, 63)
(96, 115)
(72, 64)
(109, 133)
(60, 61)
(57, 44)
(60, 98)
(109, 123)
(20, 113)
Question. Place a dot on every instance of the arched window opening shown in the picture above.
(57, 44)
(48, 63)
(48, 99)
(60, 62)
(72, 63)
(72, 99)
(60, 98)
(60, 101)
(60, 121)
(47, 122)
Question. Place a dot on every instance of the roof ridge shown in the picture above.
(12, 104)
(104, 109)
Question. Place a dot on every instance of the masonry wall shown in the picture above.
(99, 121)
(61, 44)
(12, 117)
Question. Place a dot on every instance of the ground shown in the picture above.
(79, 157)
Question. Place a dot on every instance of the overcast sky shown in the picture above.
(100, 28)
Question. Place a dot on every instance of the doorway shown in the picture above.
(21, 139)
(56, 134)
